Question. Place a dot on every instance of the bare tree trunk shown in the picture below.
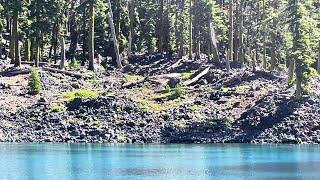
(11, 45)
(84, 39)
(63, 52)
(264, 36)
(131, 17)
(17, 59)
(114, 36)
(190, 30)
(318, 68)
(27, 50)
(73, 34)
(241, 29)
(37, 52)
(91, 36)
(230, 55)
(181, 30)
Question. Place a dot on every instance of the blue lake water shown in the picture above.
(169, 162)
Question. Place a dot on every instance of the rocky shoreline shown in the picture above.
(277, 119)
(249, 108)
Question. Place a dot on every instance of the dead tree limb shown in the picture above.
(77, 75)
(197, 78)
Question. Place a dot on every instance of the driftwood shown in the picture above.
(197, 78)
(15, 72)
(77, 75)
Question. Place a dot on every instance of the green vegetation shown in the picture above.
(187, 75)
(180, 123)
(121, 138)
(178, 92)
(58, 108)
(34, 84)
(74, 64)
(80, 94)
(132, 78)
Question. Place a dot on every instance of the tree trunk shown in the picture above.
(190, 30)
(17, 59)
(264, 35)
(1, 45)
(273, 46)
(318, 68)
(114, 37)
(298, 86)
(73, 34)
(230, 55)
(236, 32)
(37, 52)
(84, 38)
(181, 30)
(11, 45)
(160, 26)
(291, 70)
(63, 52)
(27, 50)
(91, 36)
(131, 17)
(241, 43)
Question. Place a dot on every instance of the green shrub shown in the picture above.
(74, 64)
(34, 82)
(178, 92)
(80, 94)
(167, 89)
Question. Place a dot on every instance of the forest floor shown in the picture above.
(144, 103)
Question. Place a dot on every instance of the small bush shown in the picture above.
(178, 92)
(80, 94)
(74, 64)
(34, 82)
(167, 89)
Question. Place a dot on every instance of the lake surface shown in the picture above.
(169, 162)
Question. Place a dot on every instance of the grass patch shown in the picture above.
(34, 82)
(80, 94)
(178, 92)
(132, 78)
(111, 94)
(58, 108)
(180, 123)
(196, 107)
(187, 75)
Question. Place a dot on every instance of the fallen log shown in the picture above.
(40, 64)
(131, 84)
(77, 75)
(197, 78)
(228, 80)
(270, 74)
(15, 72)
(167, 76)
